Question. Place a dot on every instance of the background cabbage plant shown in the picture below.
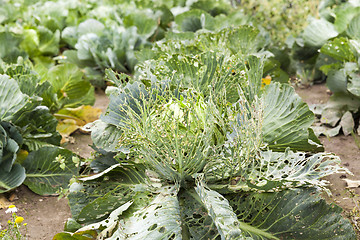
(29, 141)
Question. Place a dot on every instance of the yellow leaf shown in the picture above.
(71, 119)
(82, 115)
(22, 155)
(4, 203)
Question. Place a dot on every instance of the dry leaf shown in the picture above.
(72, 119)
(352, 183)
(4, 203)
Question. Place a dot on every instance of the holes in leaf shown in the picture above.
(196, 216)
(162, 230)
(172, 236)
(152, 227)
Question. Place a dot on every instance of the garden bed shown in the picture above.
(46, 216)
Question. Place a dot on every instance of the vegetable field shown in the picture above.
(197, 119)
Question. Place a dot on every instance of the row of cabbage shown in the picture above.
(196, 144)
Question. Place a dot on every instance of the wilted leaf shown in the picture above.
(337, 105)
(347, 123)
(327, 131)
(82, 115)
(72, 119)
(352, 183)
(65, 128)
(86, 235)
(4, 203)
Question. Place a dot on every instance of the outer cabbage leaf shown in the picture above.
(12, 179)
(344, 15)
(194, 20)
(68, 88)
(291, 214)
(40, 41)
(220, 212)
(159, 220)
(12, 100)
(90, 26)
(131, 98)
(144, 20)
(354, 27)
(106, 137)
(337, 81)
(276, 171)
(9, 46)
(94, 198)
(12, 175)
(318, 32)
(49, 169)
(287, 121)
(339, 49)
(11, 141)
(39, 128)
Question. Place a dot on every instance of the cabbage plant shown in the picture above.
(29, 151)
(177, 162)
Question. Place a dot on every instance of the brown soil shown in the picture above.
(46, 215)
